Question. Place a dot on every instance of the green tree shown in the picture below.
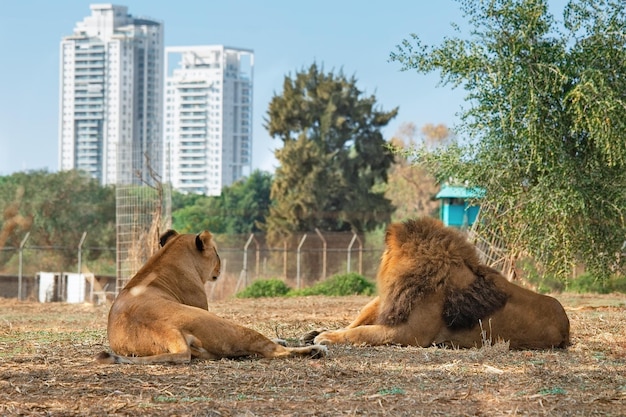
(58, 207)
(248, 202)
(182, 200)
(240, 208)
(333, 155)
(545, 127)
(204, 214)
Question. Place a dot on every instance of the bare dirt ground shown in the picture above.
(47, 368)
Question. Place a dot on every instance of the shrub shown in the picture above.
(619, 284)
(588, 283)
(339, 285)
(264, 288)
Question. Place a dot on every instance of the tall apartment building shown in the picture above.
(208, 117)
(111, 96)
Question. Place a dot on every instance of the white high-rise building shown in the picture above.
(208, 117)
(111, 96)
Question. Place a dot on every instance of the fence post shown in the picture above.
(80, 259)
(360, 254)
(19, 275)
(324, 247)
(258, 258)
(285, 259)
(298, 262)
(354, 236)
(244, 271)
(80, 250)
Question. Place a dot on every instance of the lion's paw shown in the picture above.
(324, 338)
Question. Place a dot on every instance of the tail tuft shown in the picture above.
(318, 351)
(105, 358)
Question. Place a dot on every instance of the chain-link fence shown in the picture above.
(300, 260)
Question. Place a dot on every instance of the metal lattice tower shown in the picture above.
(142, 204)
(142, 213)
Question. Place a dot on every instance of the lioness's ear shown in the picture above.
(166, 236)
(203, 240)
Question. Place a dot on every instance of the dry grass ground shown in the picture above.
(47, 368)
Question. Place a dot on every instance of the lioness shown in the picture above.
(433, 290)
(162, 314)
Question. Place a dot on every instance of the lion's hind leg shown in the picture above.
(261, 345)
(163, 344)
(312, 351)
(197, 351)
(272, 350)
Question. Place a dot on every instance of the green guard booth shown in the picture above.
(458, 208)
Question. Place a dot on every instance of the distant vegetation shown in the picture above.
(582, 284)
(337, 285)
(56, 209)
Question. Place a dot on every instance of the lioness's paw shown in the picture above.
(308, 338)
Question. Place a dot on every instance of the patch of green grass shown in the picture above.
(391, 391)
(552, 391)
(588, 283)
(164, 399)
(21, 342)
(170, 399)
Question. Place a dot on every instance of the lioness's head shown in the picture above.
(203, 243)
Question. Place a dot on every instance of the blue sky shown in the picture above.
(355, 36)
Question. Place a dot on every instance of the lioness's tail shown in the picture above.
(111, 358)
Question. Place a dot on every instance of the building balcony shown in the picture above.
(193, 123)
(193, 117)
(185, 131)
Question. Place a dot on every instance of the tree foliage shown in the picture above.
(411, 188)
(56, 208)
(546, 124)
(333, 155)
(240, 208)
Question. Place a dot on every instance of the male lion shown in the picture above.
(433, 290)
(162, 314)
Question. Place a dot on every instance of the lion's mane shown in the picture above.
(418, 259)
